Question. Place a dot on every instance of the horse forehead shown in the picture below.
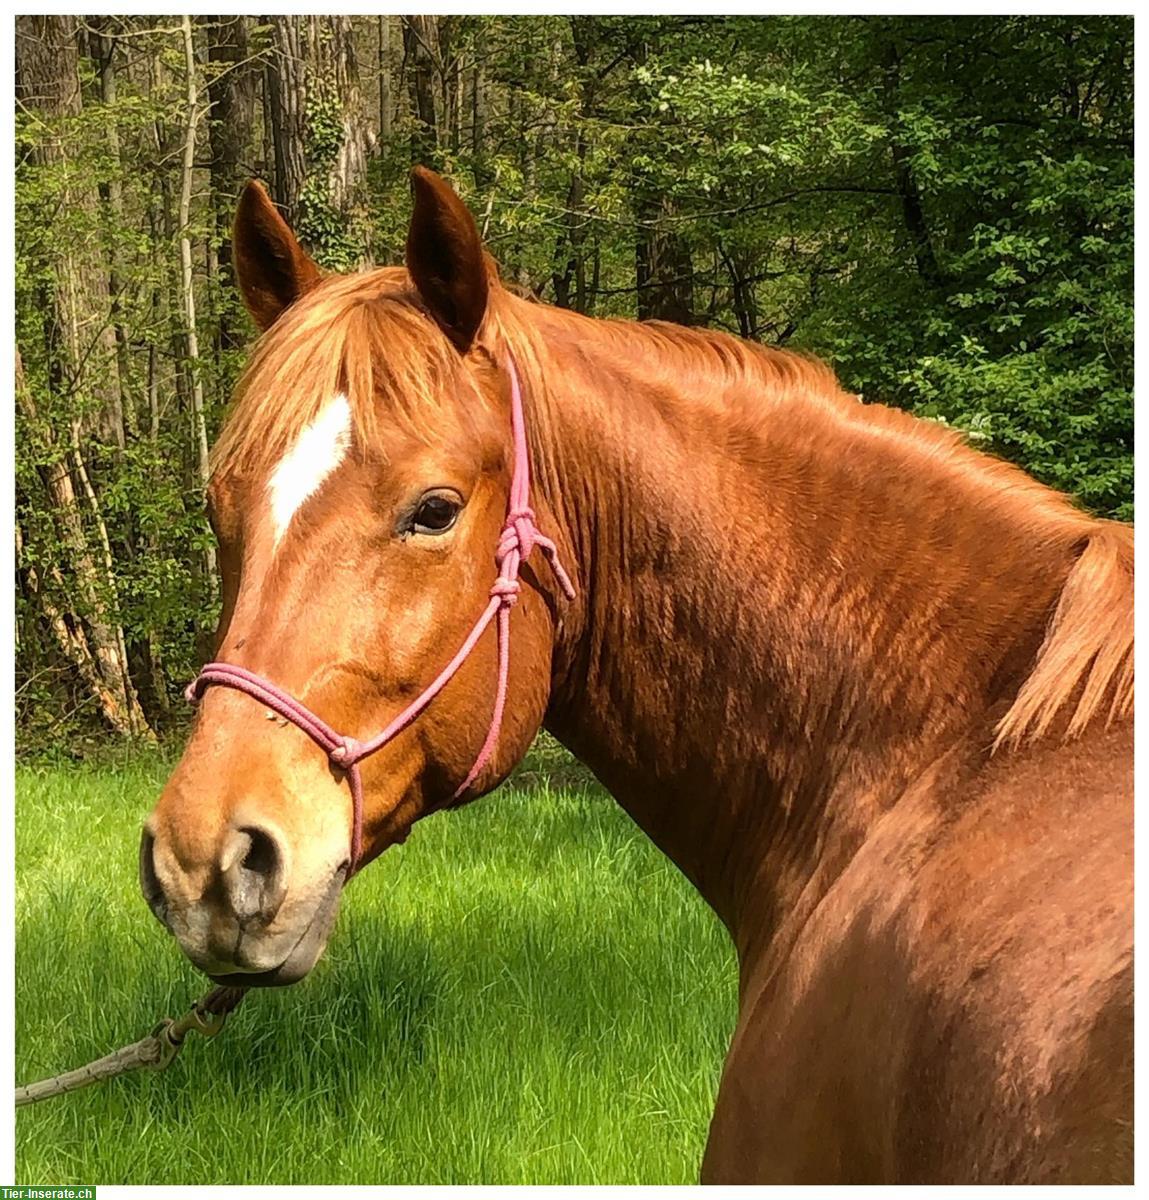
(318, 450)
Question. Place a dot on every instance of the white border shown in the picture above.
(7, 826)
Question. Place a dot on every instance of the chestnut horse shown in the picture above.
(870, 689)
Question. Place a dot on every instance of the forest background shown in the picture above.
(941, 207)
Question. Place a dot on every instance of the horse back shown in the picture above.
(958, 1009)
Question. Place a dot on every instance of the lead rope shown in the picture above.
(158, 1050)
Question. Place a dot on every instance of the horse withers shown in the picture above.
(869, 688)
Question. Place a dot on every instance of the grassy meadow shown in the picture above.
(525, 992)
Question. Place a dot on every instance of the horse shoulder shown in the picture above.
(956, 1009)
(1023, 932)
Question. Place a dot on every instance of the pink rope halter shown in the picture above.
(519, 537)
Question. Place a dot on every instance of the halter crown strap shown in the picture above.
(520, 535)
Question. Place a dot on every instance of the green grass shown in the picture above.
(525, 992)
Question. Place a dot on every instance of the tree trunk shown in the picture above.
(80, 357)
(285, 78)
(385, 81)
(584, 41)
(231, 91)
(269, 175)
(71, 640)
(901, 156)
(348, 177)
(743, 296)
(421, 45)
(191, 333)
(48, 81)
(482, 173)
(102, 49)
(95, 587)
(664, 273)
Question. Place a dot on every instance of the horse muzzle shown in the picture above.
(243, 920)
(302, 956)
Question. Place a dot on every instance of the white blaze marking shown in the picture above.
(318, 450)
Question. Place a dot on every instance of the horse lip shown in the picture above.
(303, 955)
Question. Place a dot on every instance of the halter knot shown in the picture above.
(519, 533)
(506, 591)
(343, 755)
(192, 691)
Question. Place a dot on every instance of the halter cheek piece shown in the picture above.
(519, 537)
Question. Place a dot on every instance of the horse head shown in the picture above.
(370, 497)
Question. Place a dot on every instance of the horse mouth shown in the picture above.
(303, 955)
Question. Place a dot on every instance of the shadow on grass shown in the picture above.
(369, 1026)
(549, 763)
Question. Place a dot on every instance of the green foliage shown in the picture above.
(940, 206)
(1011, 316)
(321, 225)
(143, 494)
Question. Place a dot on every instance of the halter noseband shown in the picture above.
(519, 537)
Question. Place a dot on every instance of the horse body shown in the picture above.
(934, 941)
(958, 1006)
(868, 688)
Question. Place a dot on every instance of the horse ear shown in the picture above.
(445, 258)
(271, 266)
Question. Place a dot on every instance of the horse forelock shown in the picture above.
(365, 337)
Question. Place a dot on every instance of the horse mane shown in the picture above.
(1088, 646)
(1083, 670)
(369, 336)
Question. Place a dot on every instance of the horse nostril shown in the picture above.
(254, 879)
(149, 881)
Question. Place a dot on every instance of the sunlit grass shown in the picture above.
(525, 992)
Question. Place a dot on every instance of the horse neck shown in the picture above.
(777, 629)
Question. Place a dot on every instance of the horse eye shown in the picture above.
(435, 514)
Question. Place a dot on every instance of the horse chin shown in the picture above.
(304, 954)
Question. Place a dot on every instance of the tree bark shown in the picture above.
(80, 357)
(421, 46)
(349, 175)
(71, 640)
(105, 648)
(385, 80)
(664, 273)
(482, 173)
(584, 42)
(743, 297)
(285, 78)
(191, 332)
(83, 332)
(901, 156)
(102, 49)
(231, 92)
